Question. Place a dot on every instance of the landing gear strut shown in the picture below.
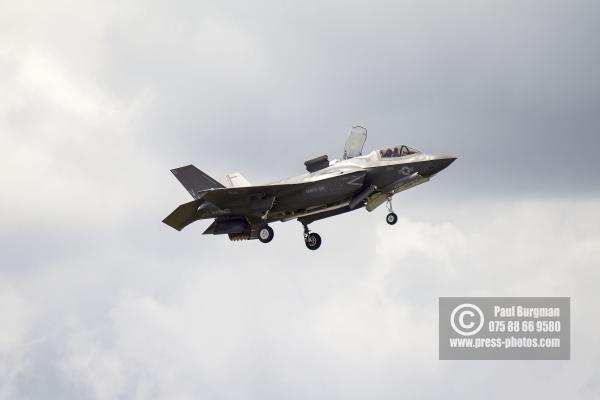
(265, 234)
(311, 239)
(391, 218)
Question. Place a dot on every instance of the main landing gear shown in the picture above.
(391, 218)
(311, 239)
(265, 234)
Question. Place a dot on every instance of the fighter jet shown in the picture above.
(328, 188)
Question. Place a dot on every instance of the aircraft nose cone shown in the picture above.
(445, 161)
(440, 163)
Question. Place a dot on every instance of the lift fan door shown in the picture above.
(355, 142)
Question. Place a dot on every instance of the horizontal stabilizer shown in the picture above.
(195, 180)
(183, 215)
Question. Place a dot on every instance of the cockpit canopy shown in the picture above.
(400, 150)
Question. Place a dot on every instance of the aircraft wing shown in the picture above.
(254, 199)
(213, 203)
(258, 199)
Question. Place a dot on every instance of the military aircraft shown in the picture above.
(328, 188)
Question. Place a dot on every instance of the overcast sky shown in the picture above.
(98, 100)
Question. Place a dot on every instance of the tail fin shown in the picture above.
(194, 180)
(234, 179)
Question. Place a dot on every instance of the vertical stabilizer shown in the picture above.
(194, 180)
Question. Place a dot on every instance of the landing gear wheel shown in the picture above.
(265, 234)
(313, 241)
(391, 218)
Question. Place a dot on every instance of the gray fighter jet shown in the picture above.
(329, 188)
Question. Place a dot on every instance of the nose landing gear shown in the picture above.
(391, 218)
(311, 239)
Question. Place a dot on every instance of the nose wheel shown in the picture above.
(265, 234)
(391, 218)
(311, 239)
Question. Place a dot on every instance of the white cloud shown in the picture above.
(66, 144)
(98, 100)
(233, 330)
(17, 318)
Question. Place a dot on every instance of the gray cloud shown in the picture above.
(146, 321)
(512, 86)
(97, 101)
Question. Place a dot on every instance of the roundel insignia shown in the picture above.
(406, 170)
